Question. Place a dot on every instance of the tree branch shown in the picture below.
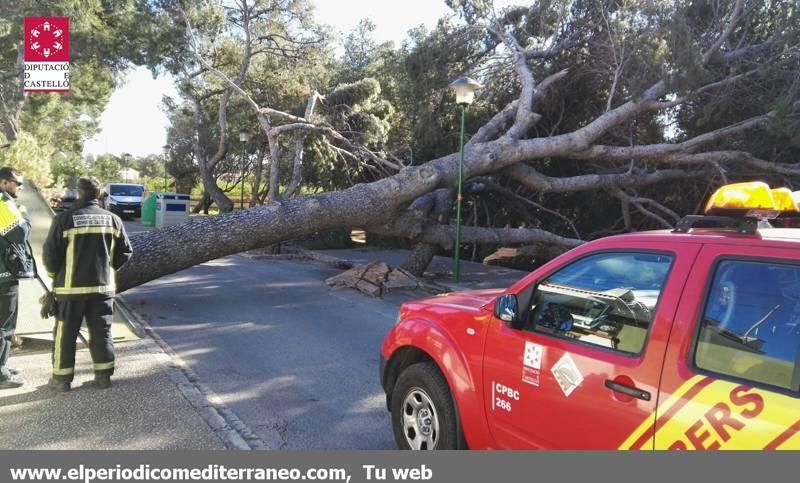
(444, 236)
(732, 20)
(493, 186)
(638, 204)
(532, 179)
(524, 117)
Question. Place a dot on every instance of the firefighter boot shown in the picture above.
(102, 381)
(59, 385)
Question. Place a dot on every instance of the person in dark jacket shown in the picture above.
(84, 248)
(16, 262)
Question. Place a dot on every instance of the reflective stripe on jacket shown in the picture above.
(84, 249)
(16, 259)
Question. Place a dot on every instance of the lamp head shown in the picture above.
(465, 90)
(244, 135)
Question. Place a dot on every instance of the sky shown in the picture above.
(134, 123)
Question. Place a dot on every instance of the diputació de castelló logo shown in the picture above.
(46, 54)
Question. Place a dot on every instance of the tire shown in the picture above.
(424, 416)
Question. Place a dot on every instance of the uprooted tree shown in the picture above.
(598, 117)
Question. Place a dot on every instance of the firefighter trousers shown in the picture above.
(98, 311)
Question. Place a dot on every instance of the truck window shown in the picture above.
(751, 323)
(126, 190)
(606, 300)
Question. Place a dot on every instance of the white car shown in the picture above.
(124, 199)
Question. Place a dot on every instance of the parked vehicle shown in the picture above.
(65, 201)
(683, 339)
(124, 199)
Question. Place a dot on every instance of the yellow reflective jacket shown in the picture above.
(16, 259)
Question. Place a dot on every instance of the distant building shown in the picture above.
(128, 174)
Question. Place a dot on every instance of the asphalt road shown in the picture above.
(296, 360)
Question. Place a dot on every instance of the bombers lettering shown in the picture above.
(92, 220)
(717, 424)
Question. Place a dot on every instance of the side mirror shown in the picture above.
(506, 309)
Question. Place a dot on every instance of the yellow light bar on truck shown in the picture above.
(784, 200)
(754, 199)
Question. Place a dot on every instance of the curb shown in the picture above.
(228, 427)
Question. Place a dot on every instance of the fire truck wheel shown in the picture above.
(424, 416)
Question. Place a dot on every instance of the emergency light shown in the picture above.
(752, 200)
(743, 207)
(784, 200)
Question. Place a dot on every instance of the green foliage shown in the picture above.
(151, 166)
(325, 171)
(471, 10)
(105, 38)
(349, 95)
(28, 156)
(358, 110)
(66, 168)
(359, 47)
(104, 167)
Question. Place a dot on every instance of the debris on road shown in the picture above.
(375, 278)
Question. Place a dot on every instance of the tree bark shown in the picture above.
(445, 235)
(206, 165)
(203, 205)
(420, 257)
(12, 107)
(259, 172)
(432, 208)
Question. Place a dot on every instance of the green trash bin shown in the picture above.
(149, 210)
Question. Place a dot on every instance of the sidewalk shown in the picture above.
(144, 409)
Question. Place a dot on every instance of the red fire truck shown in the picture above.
(683, 339)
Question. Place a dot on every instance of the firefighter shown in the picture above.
(16, 262)
(84, 248)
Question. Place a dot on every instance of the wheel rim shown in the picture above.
(420, 420)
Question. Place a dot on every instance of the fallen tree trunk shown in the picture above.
(164, 251)
(420, 257)
(445, 236)
(432, 208)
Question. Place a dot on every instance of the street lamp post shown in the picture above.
(465, 94)
(126, 157)
(244, 136)
(166, 160)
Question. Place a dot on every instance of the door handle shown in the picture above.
(630, 391)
